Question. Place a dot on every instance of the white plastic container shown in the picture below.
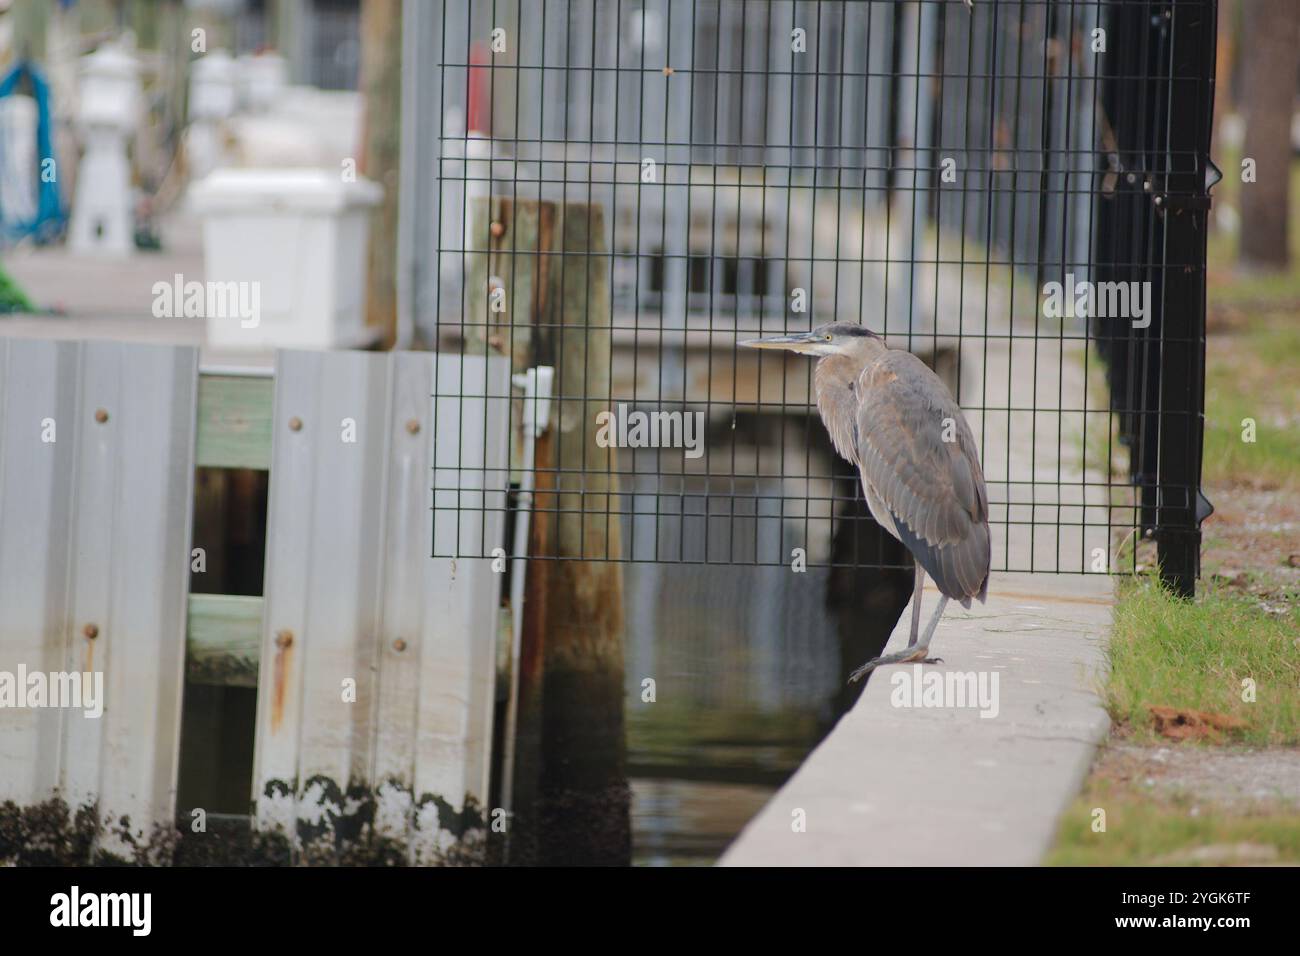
(263, 78)
(214, 81)
(294, 242)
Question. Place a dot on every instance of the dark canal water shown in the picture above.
(749, 667)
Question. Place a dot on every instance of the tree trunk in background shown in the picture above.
(1225, 103)
(1269, 41)
(381, 86)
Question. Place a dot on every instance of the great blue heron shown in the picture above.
(893, 418)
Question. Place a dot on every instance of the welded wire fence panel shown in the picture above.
(627, 189)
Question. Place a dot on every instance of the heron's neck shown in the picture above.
(842, 371)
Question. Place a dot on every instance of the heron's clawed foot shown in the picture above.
(913, 655)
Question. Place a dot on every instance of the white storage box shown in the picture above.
(263, 78)
(213, 85)
(284, 255)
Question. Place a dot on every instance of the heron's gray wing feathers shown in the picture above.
(933, 488)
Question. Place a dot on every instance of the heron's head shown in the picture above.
(837, 338)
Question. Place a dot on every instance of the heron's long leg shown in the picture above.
(915, 653)
(916, 604)
(934, 622)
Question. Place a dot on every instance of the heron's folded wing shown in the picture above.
(917, 451)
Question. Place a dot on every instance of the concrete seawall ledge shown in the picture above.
(944, 786)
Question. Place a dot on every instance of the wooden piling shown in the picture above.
(571, 800)
(381, 85)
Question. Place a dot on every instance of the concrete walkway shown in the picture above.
(915, 786)
(112, 298)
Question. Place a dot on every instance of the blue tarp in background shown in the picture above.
(50, 217)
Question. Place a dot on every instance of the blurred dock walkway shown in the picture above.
(98, 297)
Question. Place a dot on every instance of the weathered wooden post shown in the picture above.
(381, 82)
(571, 800)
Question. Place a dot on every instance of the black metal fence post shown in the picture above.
(1184, 204)
(1160, 95)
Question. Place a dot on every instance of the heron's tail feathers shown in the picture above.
(982, 596)
(960, 569)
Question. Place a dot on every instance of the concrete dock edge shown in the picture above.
(895, 784)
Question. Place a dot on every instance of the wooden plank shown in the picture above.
(96, 463)
(288, 541)
(376, 666)
(143, 649)
(462, 596)
(224, 642)
(320, 627)
(405, 551)
(117, 554)
(93, 498)
(340, 619)
(234, 421)
(37, 403)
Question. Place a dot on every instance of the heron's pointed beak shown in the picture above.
(800, 342)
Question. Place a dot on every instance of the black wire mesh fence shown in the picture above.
(1016, 192)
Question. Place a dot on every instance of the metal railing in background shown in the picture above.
(925, 169)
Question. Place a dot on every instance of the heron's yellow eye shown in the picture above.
(828, 336)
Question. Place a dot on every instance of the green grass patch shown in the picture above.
(1272, 459)
(1143, 830)
(1173, 653)
(1252, 357)
(1252, 374)
(1248, 290)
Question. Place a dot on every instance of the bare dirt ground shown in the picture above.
(1252, 541)
(1243, 780)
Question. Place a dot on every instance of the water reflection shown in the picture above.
(688, 822)
(749, 667)
(733, 670)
